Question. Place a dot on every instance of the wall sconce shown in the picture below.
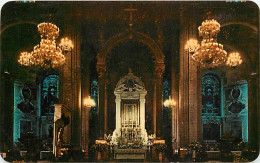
(169, 103)
(89, 102)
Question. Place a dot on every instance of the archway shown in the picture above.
(159, 67)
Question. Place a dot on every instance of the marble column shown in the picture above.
(118, 112)
(154, 106)
(142, 112)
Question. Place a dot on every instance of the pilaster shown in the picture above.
(189, 89)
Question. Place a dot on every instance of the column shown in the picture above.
(101, 99)
(87, 109)
(159, 70)
(175, 97)
(105, 107)
(142, 112)
(189, 115)
(154, 106)
(253, 112)
(118, 112)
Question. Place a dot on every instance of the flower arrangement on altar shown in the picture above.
(195, 146)
(100, 145)
(108, 138)
(159, 147)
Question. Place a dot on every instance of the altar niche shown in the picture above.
(130, 112)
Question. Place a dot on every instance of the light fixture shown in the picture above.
(46, 54)
(89, 102)
(169, 102)
(48, 31)
(66, 44)
(25, 59)
(210, 53)
(191, 45)
(234, 59)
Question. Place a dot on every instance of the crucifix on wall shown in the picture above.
(130, 10)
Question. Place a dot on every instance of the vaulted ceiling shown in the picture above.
(19, 32)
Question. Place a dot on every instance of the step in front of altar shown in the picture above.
(129, 153)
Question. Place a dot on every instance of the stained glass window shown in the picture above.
(49, 93)
(93, 110)
(166, 90)
(211, 94)
(94, 93)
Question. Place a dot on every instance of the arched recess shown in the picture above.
(102, 76)
(128, 35)
(211, 121)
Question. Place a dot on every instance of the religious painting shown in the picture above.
(129, 113)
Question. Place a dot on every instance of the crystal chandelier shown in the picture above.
(234, 59)
(46, 54)
(210, 53)
(48, 31)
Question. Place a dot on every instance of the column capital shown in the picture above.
(142, 99)
(118, 100)
(101, 69)
(159, 70)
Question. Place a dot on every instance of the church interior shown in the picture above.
(129, 81)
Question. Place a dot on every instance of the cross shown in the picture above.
(131, 14)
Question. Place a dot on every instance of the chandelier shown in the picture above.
(210, 53)
(234, 59)
(46, 54)
(48, 31)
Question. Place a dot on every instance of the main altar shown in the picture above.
(130, 137)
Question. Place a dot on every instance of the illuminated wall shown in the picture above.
(224, 107)
(34, 108)
(236, 110)
(26, 114)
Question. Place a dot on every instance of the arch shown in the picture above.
(17, 23)
(241, 23)
(124, 36)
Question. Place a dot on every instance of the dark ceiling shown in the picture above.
(111, 18)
